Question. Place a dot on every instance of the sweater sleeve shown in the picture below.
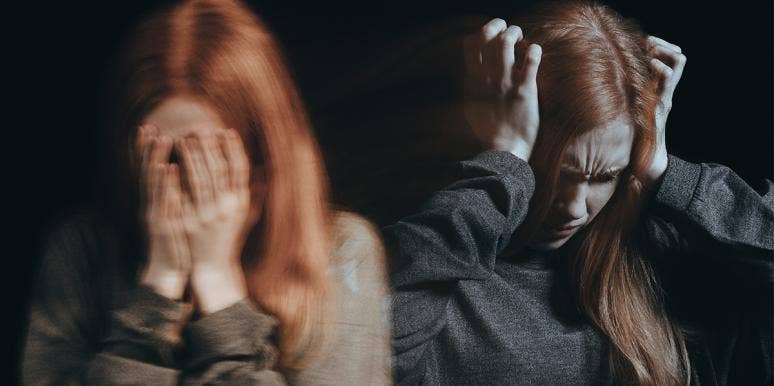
(707, 210)
(233, 346)
(713, 239)
(456, 235)
(63, 344)
(70, 339)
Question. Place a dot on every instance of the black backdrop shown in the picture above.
(373, 101)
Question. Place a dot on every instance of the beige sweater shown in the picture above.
(90, 325)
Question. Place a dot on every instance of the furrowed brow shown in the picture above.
(573, 169)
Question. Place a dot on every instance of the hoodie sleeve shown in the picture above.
(456, 235)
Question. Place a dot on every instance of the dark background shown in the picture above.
(377, 80)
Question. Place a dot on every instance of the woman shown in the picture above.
(577, 250)
(217, 258)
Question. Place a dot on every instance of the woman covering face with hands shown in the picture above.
(576, 250)
(197, 231)
(216, 257)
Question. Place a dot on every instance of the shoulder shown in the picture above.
(358, 264)
(359, 343)
(72, 235)
(356, 241)
(73, 249)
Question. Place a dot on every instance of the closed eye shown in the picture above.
(606, 178)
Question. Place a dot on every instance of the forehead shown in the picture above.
(608, 145)
(180, 116)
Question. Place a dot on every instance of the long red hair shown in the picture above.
(594, 69)
(221, 53)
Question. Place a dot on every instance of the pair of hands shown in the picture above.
(195, 215)
(502, 95)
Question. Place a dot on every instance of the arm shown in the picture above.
(63, 341)
(64, 345)
(707, 209)
(712, 236)
(455, 236)
(232, 346)
(458, 233)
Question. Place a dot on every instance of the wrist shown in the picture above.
(517, 147)
(168, 283)
(657, 167)
(216, 287)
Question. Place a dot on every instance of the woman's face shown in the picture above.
(588, 178)
(179, 117)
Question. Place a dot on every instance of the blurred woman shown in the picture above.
(577, 250)
(216, 257)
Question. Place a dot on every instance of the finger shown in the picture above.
(490, 51)
(146, 137)
(168, 192)
(187, 206)
(162, 191)
(239, 164)
(159, 154)
(175, 190)
(675, 60)
(215, 162)
(144, 162)
(204, 178)
(179, 242)
(491, 29)
(507, 40)
(532, 60)
(653, 41)
(145, 134)
(154, 193)
(141, 139)
(191, 170)
(663, 72)
(223, 144)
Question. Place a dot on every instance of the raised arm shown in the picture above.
(705, 208)
(459, 231)
(456, 235)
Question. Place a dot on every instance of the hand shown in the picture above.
(169, 261)
(216, 208)
(667, 62)
(502, 98)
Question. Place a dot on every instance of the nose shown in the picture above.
(571, 203)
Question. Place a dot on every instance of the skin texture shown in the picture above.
(198, 210)
(502, 110)
(589, 175)
(501, 99)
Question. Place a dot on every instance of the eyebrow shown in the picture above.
(609, 171)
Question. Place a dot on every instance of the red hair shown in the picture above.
(220, 53)
(595, 69)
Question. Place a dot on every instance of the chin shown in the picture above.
(545, 243)
(550, 245)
